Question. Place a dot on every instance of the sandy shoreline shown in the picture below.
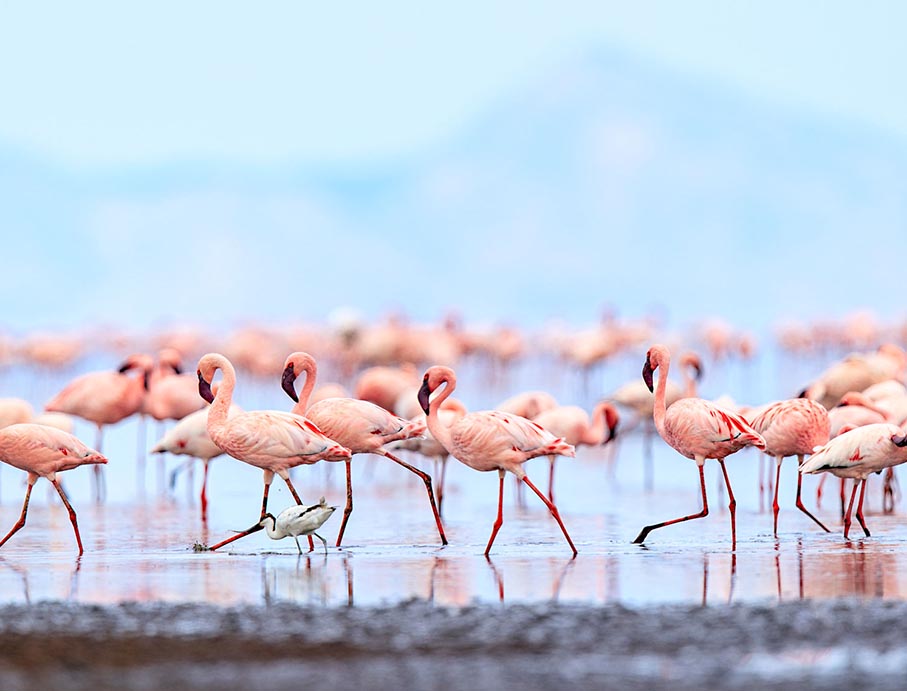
(415, 645)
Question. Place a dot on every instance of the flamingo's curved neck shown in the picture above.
(437, 428)
(595, 433)
(220, 408)
(311, 374)
(658, 413)
(689, 382)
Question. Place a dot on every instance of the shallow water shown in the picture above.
(139, 543)
(142, 550)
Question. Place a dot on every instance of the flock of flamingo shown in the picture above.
(847, 422)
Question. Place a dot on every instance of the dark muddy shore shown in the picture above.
(831, 644)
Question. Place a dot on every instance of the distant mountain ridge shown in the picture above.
(607, 180)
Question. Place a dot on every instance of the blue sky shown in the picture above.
(94, 83)
(155, 162)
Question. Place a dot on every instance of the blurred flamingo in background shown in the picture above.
(360, 426)
(572, 424)
(696, 429)
(43, 451)
(272, 440)
(640, 401)
(105, 398)
(189, 437)
(490, 440)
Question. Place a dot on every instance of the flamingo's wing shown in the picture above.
(494, 429)
(852, 447)
(276, 434)
(696, 418)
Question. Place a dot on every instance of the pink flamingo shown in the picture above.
(171, 395)
(571, 423)
(272, 440)
(490, 440)
(189, 437)
(528, 404)
(696, 429)
(792, 427)
(360, 426)
(105, 398)
(43, 451)
(853, 410)
(856, 454)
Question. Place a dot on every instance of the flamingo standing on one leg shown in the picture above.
(856, 454)
(792, 427)
(105, 398)
(360, 426)
(490, 440)
(571, 423)
(699, 430)
(44, 451)
(272, 440)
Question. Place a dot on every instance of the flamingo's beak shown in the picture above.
(176, 369)
(287, 382)
(698, 368)
(612, 432)
(424, 395)
(900, 441)
(647, 375)
(204, 388)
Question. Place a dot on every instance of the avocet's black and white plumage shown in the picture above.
(298, 520)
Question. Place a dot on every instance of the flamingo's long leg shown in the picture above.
(702, 514)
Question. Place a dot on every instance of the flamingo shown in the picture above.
(527, 404)
(43, 451)
(360, 426)
(696, 429)
(856, 409)
(792, 427)
(104, 398)
(272, 440)
(171, 395)
(856, 454)
(572, 424)
(298, 520)
(490, 440)
(189, 437)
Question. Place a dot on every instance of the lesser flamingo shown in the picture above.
(490, 440)
(43, 451)
(272, 440)
(696, 429)
(360, 426)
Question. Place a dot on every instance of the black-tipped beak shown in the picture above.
(288, 380)
(146, 380)
(424, 396)
(647, 375)
(176, 369)
(698, 368)
(612, 432)
(204, 388)
(900, 441)
(802, 394)
(125, 367)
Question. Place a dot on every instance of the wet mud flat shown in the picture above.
(815, 644)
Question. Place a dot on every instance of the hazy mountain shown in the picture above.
(607, 180)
